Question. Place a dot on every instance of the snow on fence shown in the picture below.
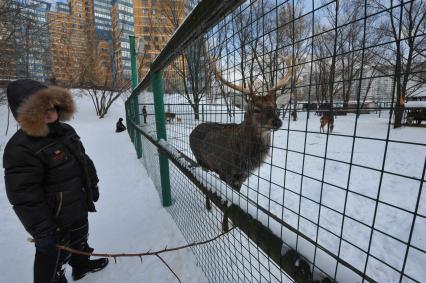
(343, 203)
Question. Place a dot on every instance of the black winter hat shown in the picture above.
(18, 91)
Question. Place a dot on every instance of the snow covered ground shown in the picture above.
(130, 217)
(314, 204)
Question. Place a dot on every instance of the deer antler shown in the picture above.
(218, 76)
(283, 81)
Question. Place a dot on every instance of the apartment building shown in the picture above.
(81, 43)
(87, 41)
(68, 43)
(102, 19)
(62, 7)
(122, 19)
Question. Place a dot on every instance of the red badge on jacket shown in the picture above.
(58, 155)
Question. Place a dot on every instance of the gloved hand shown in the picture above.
(47, 244)
(95, 193)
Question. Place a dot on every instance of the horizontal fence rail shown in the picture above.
(300, 123)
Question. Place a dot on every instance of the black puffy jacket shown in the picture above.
(48, 177)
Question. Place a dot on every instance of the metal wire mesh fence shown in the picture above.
(295, 119)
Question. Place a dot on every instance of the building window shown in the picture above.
(125, 45)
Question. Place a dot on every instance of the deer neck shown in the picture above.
(253, 131)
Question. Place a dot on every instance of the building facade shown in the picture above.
(154, 22)
(68, 43)
(81, 43)
(102, 19)
(122, 19)
(62, 7)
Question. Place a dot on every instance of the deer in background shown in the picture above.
(326, 120)
(235, 150)
(170, 116)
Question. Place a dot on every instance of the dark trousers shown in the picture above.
(48, 262)
(144, 118)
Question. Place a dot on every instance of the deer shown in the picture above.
(234, 150)
(326, 120)
(170, 116)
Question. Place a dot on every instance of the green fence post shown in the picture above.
(137, 136)
(126, 107)
(158, 89)
(133, 61)
(138, 141)
(130, 113)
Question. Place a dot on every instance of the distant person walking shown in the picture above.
(119, 127)
(50, 180)
(144, 113)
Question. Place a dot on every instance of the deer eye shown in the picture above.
(257, 110)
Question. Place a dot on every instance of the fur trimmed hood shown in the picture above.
(31, 107)
(31, 111)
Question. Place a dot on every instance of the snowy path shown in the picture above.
(130, 217)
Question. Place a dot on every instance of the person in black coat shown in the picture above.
(144, 114)
(119, 127)
(50, 180)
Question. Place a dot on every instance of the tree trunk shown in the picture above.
(196, 108)
(399, 111)
(294, 115)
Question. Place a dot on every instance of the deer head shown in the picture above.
(261, 109)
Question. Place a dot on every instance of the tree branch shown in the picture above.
(148, 253)
(168, 266)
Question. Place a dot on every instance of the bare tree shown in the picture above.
(68, 47)
(261, 40)
(198, 74)
(102, 85)
(190, 66)
(294, 29)
(405, 27)
(6, 46)
(321, 70)
(353, 36)
(349, 30)
(174, 12)
(32, 44)
(22, 44)
(340, 54)
(150, 48)
(326, 51)
(104, 97)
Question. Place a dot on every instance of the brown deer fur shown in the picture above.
(170, 116)
(234, 150)
(326, 120)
